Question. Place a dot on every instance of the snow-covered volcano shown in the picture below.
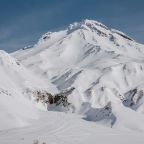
(106, 68)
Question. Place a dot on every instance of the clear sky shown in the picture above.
(22, 22)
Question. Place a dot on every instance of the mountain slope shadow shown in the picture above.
(99, 114)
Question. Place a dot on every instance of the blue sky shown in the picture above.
(22, 22)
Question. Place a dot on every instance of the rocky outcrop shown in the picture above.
(132, 98)
(56, 99)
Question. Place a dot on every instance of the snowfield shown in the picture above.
(83, 84)
(61, 128)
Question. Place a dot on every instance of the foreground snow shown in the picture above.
(61, 128)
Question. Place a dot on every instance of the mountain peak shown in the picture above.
(83, 28)
(86, 24)
(89, 22)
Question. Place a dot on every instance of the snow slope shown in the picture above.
(16, 107)
(104, 65)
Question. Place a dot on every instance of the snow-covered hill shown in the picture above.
(16, 105)
(105, 66)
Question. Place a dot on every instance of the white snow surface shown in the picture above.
(106, 68)
(61, 128)
(16, 108)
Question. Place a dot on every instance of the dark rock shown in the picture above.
(57, 99)
(132, 98)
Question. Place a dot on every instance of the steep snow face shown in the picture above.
(104, 65)
(16, 106)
